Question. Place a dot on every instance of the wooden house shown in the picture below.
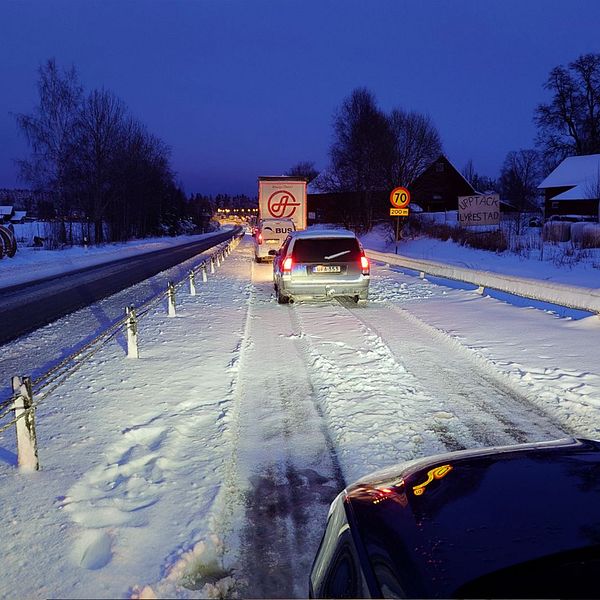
(6, 212)
(573, 188)
(438, 187)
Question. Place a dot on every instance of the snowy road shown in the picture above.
(332, 391)
(286, 460)
(210, 462)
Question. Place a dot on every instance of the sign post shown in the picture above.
(399, 199)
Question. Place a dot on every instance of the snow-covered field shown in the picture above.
(207, 466)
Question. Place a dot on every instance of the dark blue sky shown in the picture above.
(243, 88)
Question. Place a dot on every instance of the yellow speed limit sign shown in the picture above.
(400, 197)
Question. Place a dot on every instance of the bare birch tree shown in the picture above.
(93, 156)
(570, 123)
(361, 153)
(50, 130)
(417, 144)
(520, 175)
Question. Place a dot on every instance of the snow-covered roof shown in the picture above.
(6, 210)
(19, 215)
(454, 167)
(575, 193)
(313, 186)
(580, 172)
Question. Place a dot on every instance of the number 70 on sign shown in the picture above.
(400, 197)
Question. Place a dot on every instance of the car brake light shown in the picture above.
(259, 238)
(364, 265)
(287, 264)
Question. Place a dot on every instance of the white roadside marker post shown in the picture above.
(192, 283)
(27, 452)
(203, 269)
(171, 298)
(212, 265)
(132, 337)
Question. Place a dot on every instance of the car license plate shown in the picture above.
(327, 269)
(272, 241)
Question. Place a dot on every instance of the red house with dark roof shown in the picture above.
(438, 187)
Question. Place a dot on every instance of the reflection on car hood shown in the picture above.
(446, 520)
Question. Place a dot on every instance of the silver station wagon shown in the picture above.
(321, 263)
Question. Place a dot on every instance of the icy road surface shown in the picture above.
(207, 466)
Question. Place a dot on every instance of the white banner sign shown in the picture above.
(479, 210)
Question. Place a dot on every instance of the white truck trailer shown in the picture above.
(283, 198)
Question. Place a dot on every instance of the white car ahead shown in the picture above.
(269, 235)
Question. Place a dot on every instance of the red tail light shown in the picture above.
(259, 238)
(364, 265)
(287, 264)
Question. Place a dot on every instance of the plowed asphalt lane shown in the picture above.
(25, 307)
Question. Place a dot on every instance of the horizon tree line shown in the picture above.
(97, 162)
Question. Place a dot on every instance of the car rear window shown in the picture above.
(326, 250)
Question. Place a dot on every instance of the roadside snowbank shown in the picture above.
(585, 273)
(133, 454)
(556, 293)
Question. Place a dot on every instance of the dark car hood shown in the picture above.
(444, 521)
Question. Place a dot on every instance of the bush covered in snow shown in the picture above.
(590, 237)
(493, 240)
(562, 243)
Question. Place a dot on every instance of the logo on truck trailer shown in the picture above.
(283, 198)
(282, 204)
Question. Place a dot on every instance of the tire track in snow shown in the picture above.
(480, 395)
(391, 391)
(287, 473)
(527, 359)
(376, 410)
